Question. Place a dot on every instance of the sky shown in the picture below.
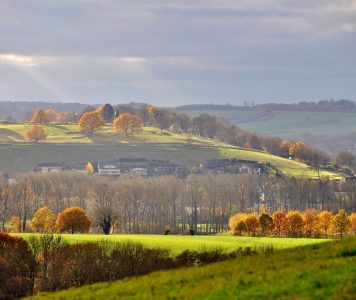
(177, 52)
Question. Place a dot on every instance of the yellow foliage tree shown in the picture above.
(91, 122)
(128, 123)
(233, 221)
(311, 222)
(43, 221)
(40, 117)
(295, 223)
(73, 219)
(326, 220)
(342, 223)
(89, 168)
(36, 133)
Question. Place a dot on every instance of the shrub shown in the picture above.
(17, 267)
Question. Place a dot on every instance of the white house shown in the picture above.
(110, 168)
(139, 171)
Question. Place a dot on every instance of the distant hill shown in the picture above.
(19, 111)
(330, 126)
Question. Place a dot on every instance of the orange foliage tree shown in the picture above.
(311, 222)
(128, 123)
(52, 115)
(90, 122)
(266, 222)
(326, 220)
(36, 133)
(251, 224)
(284, 148)
(40, 117)
(279, 222)
(73, 219)
(295, 223)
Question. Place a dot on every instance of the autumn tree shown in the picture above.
(40, 117)
(73, 219)
(36, 133)
(279, 222)
(43, 221)
(311, 222)
(128, 123)
(295, 223)
(91, 122)
(51, 115)
(326, 221)
(266, 222)
(342, 223)
(240, 227)
(353, 222)
(251, 224)
(285, 148)
(234, 222)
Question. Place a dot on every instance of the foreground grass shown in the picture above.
(65, 143)
(320, 271)
(178, 243)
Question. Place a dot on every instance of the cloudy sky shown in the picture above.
(177, 52)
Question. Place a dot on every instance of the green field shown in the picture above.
(289, 124)
(323, 271)
(66, 144)
(178, 243)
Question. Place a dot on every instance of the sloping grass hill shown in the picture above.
(65, 143)
(321, 271)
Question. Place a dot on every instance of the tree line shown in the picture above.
(132, 204)
(308, 223)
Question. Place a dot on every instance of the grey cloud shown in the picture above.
(178, 51)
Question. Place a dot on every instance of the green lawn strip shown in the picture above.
(178, 243)
(325, 271)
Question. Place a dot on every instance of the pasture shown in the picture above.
(322, 271)
(288, 124)
(65, 143)
(178, 243)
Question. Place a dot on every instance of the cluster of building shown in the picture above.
(138, 166)
(144, 167)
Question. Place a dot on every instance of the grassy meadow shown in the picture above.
(178, 243)
(318, 271)
(65, 143)
(288, 124)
